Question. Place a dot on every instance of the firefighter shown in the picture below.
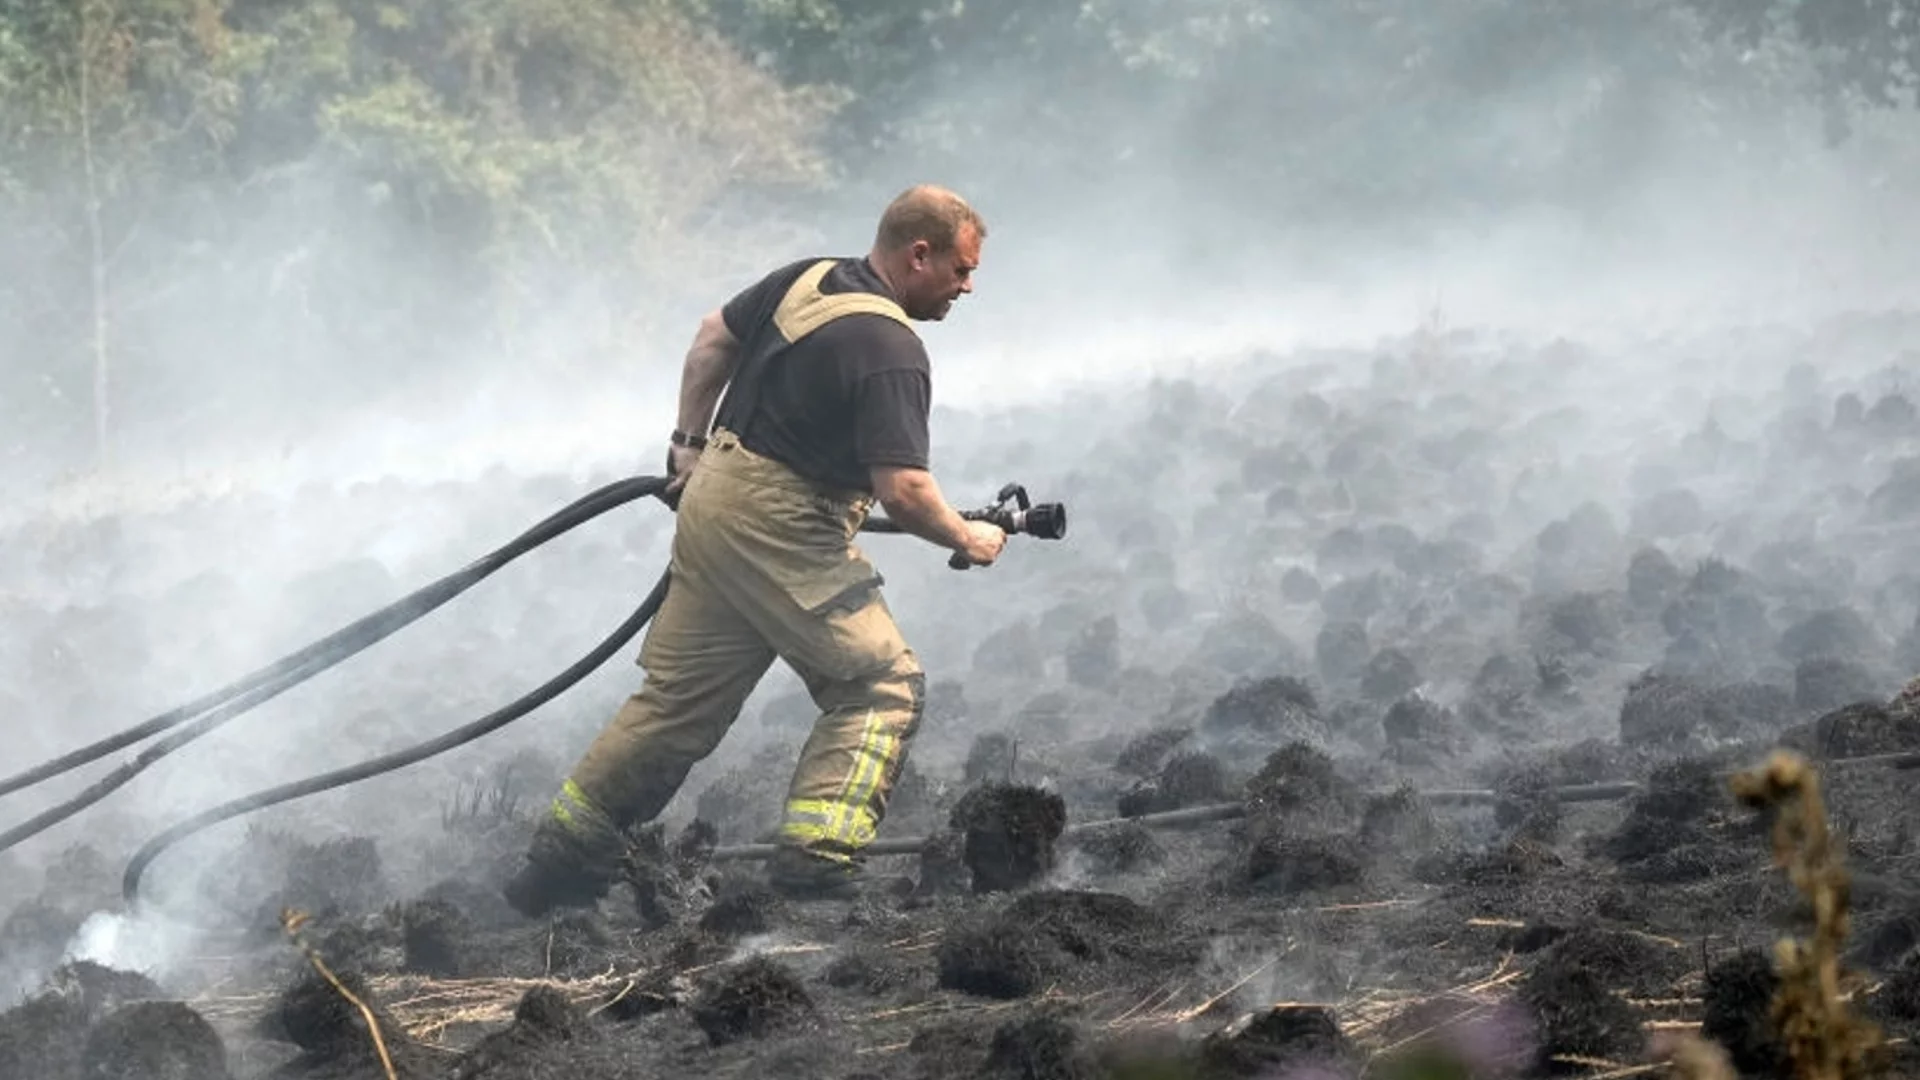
(827, 389)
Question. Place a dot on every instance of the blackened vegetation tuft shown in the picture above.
(1010, 834)
(750, 1000)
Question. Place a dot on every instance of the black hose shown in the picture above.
(399, 759)
(136, 867)
(297, 667)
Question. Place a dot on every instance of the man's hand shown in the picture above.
(912, 500)
(984, 542)
(680, 463)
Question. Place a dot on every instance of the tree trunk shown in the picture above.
(98, 268)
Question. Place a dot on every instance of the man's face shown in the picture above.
(937, 278)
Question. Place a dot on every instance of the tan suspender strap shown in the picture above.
(805, 308)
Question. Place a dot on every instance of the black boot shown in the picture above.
(572, 861)
(803, 875)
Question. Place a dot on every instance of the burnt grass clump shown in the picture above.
(1056, 935)
(1677, 828)
(1576, 1014)
(1120, 849)
(1737, 1013)
(1299, 787)
(43, 1036)
(1273, 709)
(1283, 1040)
(1043, 1047)
(1011, 831)
(434, 934)
(1858, 730)
(753, 999)
(332, 1034)
(668, 880)
(743, 911)
(543, 1018)
(1187, 779)
(154, 1040)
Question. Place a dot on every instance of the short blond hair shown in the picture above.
(926, 212)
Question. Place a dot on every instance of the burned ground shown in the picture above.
(1388, 617)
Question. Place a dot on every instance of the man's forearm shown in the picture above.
(710, 364)
(912, 499)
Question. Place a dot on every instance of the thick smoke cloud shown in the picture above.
(1466, 364)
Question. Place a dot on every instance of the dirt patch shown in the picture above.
(154, 1040)
(1010, 833)
(751, 1000)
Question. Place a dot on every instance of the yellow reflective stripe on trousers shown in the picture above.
(848, 819)
(570, 793)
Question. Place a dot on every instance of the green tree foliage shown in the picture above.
(210, 204)
(393, 183)
(1869, 49)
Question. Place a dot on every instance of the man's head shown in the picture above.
(927, 248)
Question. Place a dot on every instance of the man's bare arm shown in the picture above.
(710, 364)
(912, 499)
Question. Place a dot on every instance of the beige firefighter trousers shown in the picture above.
(764, 565)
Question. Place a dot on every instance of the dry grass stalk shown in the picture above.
(1824, 1040)
(292, 922)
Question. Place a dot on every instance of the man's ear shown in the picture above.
(921, 251)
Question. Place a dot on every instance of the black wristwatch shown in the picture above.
(681, 438)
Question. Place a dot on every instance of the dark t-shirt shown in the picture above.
(852, 394)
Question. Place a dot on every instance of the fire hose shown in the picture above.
(210, 711)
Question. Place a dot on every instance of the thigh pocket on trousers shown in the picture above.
(846, 630)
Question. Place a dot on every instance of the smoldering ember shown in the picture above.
(1523, 682)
